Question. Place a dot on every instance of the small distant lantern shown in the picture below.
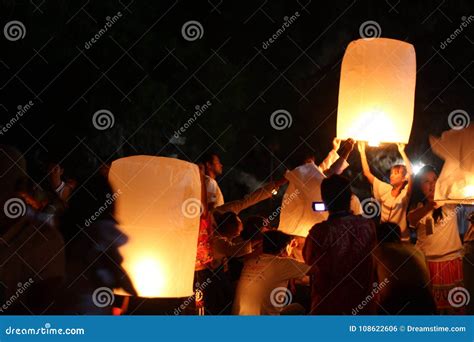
(377, 91)
(456, 181)
(158, 209)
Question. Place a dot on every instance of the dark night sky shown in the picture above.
(151, 79)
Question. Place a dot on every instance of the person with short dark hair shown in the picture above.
(263, 284)
(339, 253)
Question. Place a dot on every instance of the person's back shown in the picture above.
(342, 274)
(401, 267)
(262, 287)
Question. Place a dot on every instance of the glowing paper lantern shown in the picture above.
(158, 209)
(297, 216)
(377, 91)
(456, 180)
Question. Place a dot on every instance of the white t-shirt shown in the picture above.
(214, 194)
(262, 275)
(439, 241)
(393, 209)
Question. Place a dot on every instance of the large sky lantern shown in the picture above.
(456, 180)
(377, 91)
(158, 209)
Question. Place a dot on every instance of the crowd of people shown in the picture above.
(53, 255)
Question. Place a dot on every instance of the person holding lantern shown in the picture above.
(394, 197)
(438, 238)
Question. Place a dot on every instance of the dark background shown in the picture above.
(151, 79)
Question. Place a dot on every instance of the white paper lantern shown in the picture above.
(297, 216)
(456, 180)
(377, 91)
(158, 209)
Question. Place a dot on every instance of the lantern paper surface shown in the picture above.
(377, 91)
(158, 209)
(297, 216)
(456, 180)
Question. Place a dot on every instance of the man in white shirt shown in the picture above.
(262, 287)
(213, 168)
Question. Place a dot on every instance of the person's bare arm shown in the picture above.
(401, 150)
(338, 166)
(417, 214)
(255, 197)
(365, 165)
(332, 155)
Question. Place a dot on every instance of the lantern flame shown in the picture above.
(148, 275)
(469, 191)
